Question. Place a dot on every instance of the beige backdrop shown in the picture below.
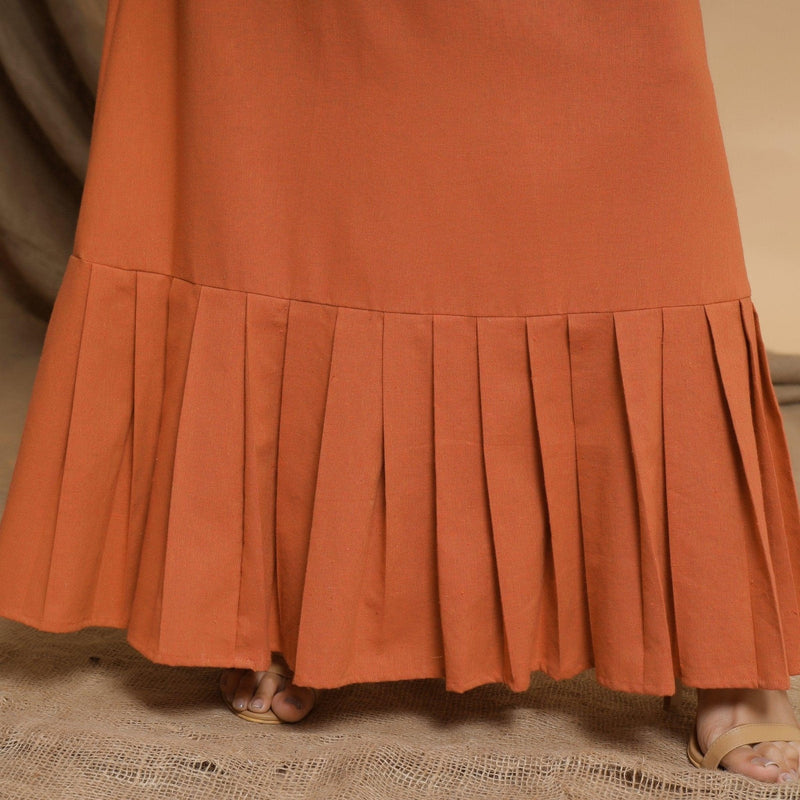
(755, 61)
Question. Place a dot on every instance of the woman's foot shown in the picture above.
(719, 710)
(262, 692)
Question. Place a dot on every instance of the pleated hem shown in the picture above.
(387, 496)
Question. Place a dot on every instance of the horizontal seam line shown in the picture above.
(413, 313)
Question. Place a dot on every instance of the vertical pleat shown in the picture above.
(144, 628)
(94, 454)
(307, 358)
(564, 632)
(111, 598)
(639, 346)
(515, 487)
(149, 361)
(265, 341)
(469, 596)
(413, 636)
(383, 496)
(343, 589)
(35, 489)
(201, 594)
(608, 502)
(730, 352)
(779, 491)
(774, 434)
(708, 516)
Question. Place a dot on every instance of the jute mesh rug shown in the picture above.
(85, 716)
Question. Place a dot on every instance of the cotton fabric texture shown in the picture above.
(410, 339)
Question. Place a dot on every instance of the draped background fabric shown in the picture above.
(49, 61)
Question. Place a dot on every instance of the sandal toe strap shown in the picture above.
(279, 668)
(749, 733)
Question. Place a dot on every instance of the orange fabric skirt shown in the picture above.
(410, 339)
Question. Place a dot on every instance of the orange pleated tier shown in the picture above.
(410, 343)
(386, 495)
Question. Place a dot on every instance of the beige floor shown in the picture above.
(83, 716)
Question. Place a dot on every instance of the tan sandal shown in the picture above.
(749, 733)
(268, 717)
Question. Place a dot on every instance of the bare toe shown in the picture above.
(749, 762)
(268, 684)
(293, 703)
(245, 689)
(228, 681)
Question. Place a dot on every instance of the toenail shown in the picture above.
(294, 701)
(238, 703)
(785, 777)
(257, 704)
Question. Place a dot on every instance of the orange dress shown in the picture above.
(410, 339)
